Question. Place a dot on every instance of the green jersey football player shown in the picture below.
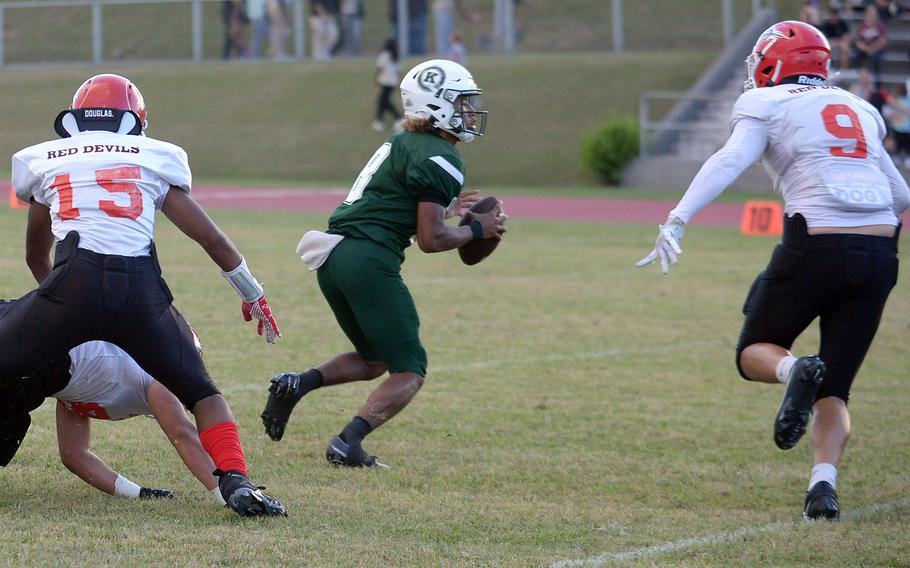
(406, 191)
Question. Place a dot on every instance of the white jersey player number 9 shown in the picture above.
(856, 189)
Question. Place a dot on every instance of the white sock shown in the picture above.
(823, 472)
(123, 487)
(784, 367)
(216, 493)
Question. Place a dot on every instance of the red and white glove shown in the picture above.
(254, 303)
(261, 311)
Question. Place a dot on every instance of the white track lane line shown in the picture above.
(677, 545)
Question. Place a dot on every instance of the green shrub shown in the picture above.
(610, 148)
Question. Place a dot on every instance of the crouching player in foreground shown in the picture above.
(838, 257)
(410, 186)
(96, 190)
(100, 381)
(106, 384)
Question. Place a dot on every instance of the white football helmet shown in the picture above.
(445, 93)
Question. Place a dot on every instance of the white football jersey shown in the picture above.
(824, 153)
(105, 383)
(104, 185)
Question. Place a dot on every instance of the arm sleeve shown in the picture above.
(25, 183)
(744, 147)
(900, 194)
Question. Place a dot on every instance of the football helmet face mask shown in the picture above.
(784, 50)
(111, 91)
(444, 93)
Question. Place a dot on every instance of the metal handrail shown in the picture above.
(648, 126)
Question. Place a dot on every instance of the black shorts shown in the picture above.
(842, 279)
(119, 299)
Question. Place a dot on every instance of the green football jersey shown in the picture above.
(409, 168)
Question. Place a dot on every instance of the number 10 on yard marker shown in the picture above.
(762, 218)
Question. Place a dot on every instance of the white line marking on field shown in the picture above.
(546, 358)
(676, 545)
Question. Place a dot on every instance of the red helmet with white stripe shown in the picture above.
(787, 49)
(111, 91)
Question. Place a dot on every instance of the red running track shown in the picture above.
(594, 209)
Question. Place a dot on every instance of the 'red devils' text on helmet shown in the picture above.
(111, 91)
(787, 49)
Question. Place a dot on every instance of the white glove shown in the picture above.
(667, 246)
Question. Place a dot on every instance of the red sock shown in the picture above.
(222, 442)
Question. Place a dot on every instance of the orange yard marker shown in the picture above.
(762, 218)
(15, 202)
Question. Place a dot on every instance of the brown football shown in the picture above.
(474, 251)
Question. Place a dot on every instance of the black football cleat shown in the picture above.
(149, 493)
(284, 394)
(821, 503)
(246, 499)
(793, 417)
(340, 453)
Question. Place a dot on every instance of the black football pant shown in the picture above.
(842, 279)
(119, 299)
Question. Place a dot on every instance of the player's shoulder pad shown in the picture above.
(754, 103)
(865, 106)
(162, 146)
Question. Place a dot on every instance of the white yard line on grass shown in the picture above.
(677, 545)
(530, 360)
(546, 358)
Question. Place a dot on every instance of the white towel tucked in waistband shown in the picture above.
(316, 246)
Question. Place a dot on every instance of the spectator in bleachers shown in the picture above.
(233, 14)
(351, 26)
(417, 25)
(898, 112)
(863, 86)
(837, 30)
(323, 28)
(870, 41)
(811, 13)
(444, 23)
(887, 9)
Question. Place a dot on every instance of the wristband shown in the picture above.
(476, 230)
(243, 282)
(123, 487)
(216, 494)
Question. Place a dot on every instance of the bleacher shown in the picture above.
(692, 136)
(896, 64)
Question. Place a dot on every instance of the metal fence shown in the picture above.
(96, 20)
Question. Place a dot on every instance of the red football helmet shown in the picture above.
(111, 91)
(786, 49)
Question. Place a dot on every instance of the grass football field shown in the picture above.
(578, 412)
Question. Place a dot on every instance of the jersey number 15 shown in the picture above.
(105, 179)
